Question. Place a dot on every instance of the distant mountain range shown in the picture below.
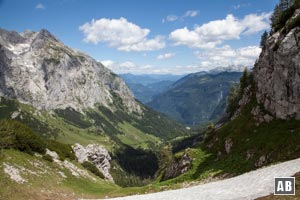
(146, 86)
(196, 98)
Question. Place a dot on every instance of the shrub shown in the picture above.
(138, 162)
(92, 168)
(48, 158)
(124, 179)
(63, 150)
(279, 18)
(236, 92)
(16, 135)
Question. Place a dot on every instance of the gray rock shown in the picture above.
(178, 167)
(277, 75)
(228, 145)
(38, 69)
(261, 161)
(95, 154)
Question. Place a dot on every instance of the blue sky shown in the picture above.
(157, 36)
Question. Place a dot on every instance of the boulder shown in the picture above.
(95, 154)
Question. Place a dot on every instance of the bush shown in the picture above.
(236, 92)
(63, 150)
(16, 135)
(138, 162)
(279, 18)
(92, 168)
(124, 179)
(48, 158)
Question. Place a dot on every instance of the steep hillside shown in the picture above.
(262, 126)
(197, 98)
(40, 71)
(64, 97)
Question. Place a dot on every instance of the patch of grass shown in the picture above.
(74, 117)
(63, 150)
(16, 135)
(135, 138)
(276, 141)
(43, 180)
(48, 158)
(92, 168)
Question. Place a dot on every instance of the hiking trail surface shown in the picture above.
(250, 185)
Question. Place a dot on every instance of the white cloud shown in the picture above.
(171, 18)
(191, 13)
(254, 23)
(165, 56)
(121, 34)
(128, 65)
(239, 6)
(219, 58)
(213, 33)
(40, 6)
(225, 56)
(108, 63)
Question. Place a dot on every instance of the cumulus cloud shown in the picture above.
(121, 34)
(40, 6)
(165, 56)
(225, 56)
(213, 33)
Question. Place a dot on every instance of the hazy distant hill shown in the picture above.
(146, 86)
(196, 98)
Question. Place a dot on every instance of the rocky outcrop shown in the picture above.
(95, 154)
(228, 145)
(178, 167)
(277, 73)
(37, 69)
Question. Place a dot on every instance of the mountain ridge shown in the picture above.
(60, 76)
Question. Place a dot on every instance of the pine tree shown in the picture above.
(275, 17)
(264, 39)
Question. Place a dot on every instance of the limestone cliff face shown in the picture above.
(38, 69)
(95, 154)
(277, 73)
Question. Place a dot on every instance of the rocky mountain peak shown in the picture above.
(45, 35)
(38, 69)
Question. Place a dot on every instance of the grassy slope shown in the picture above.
(135, 137)
(44, 181)
(278, 141)
(66, 132)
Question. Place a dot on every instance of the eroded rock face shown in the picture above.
(277, 74)
(95, 154)
(38, 69)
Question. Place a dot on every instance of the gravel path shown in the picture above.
(251, 185)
